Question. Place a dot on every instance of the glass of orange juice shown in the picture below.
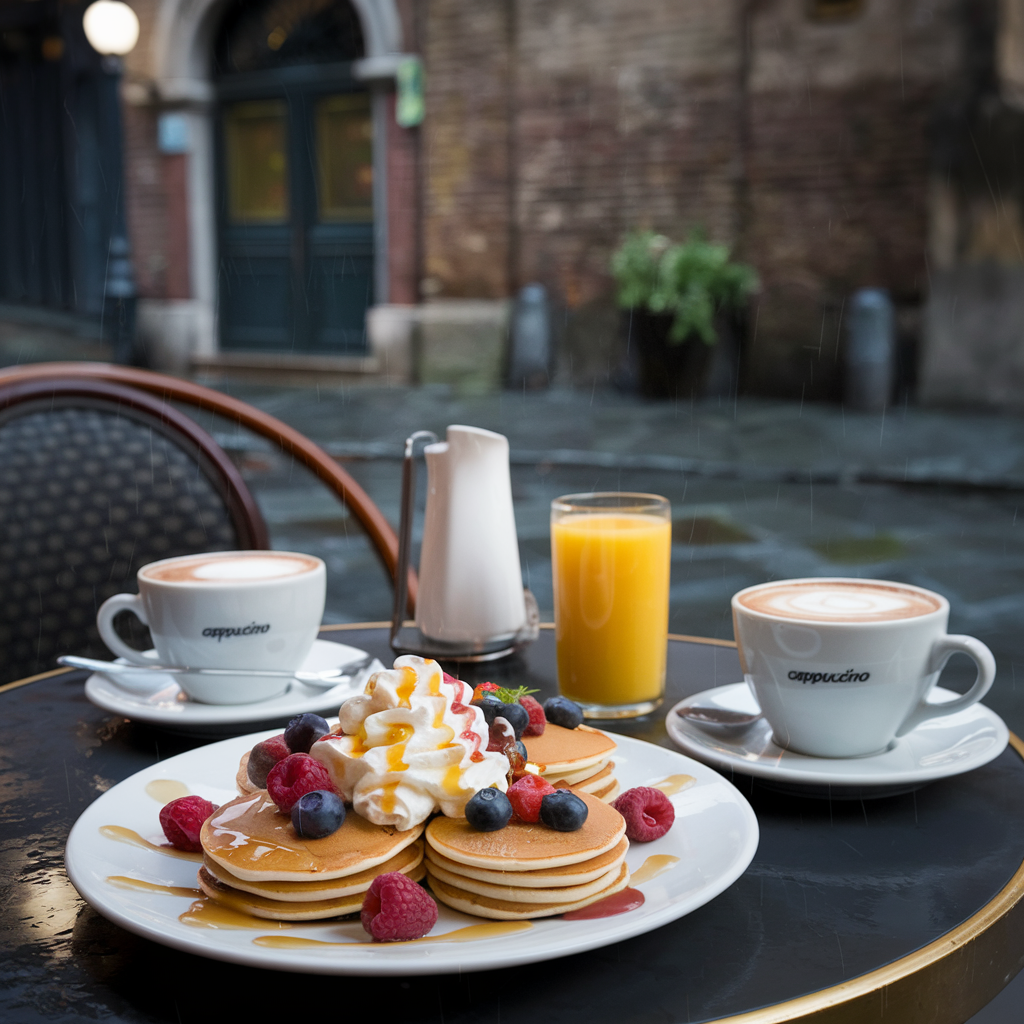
(611, 554)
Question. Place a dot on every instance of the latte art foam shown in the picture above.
(236, 568)
(839, 602)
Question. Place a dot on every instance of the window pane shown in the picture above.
(257, 162)
(344, 146)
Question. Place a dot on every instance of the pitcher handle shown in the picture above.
(940, 654)
(408, 510)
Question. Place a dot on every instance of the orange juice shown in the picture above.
(611, 578)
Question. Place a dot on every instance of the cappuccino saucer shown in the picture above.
(158, 700)
(936, 749)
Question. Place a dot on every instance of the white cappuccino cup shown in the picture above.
(843, 667)
(225, 610)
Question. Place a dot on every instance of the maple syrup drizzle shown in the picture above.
(163, 791)
(125, 882)
(205, 913)
(405, 688)
(126, 835)
(397, 740)
(652, 867)
(675, 784)
(618, 903)
(472, 933)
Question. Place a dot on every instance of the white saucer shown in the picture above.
(934, 750)
(158, 700)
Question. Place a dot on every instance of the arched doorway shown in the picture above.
(295, 178)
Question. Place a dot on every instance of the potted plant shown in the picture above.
(679, 298)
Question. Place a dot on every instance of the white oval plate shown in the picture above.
(934, 750)
(714, 836)
(159, 700)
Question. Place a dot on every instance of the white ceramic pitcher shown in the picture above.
(470, 580)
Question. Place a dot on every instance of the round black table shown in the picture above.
(901, 909)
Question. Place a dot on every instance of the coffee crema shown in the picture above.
(839, 602)
(237, 567)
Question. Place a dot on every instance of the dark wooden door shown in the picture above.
(296, 215)
(295, 145)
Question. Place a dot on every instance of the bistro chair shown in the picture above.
(99, 475)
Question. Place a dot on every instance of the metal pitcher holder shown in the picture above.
(408, 638)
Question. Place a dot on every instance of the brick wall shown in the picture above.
(554, 126)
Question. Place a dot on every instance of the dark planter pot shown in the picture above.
(662, 368)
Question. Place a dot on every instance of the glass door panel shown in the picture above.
(344, 148)
(256, 152)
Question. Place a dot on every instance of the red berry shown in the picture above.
(648, 812)
(537, 717)
(295, 776)
(481, 688)
(501, 736)
(526, 794)
(182, 819)
(396, 909)
(263, 757)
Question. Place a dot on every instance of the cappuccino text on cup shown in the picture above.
(843, 667)
(226, 610)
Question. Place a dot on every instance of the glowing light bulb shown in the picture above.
(111, 27)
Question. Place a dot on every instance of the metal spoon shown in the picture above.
(324, 679)
(704, 714)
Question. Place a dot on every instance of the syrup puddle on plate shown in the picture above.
(124, 882)
(675, 784)
(163, 791)
(652, 867)
(204, 913)
(120, 834)
(472, 933)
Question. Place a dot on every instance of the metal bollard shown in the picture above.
(530, 349)
(869, 356)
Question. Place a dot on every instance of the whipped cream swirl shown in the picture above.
(411, 744)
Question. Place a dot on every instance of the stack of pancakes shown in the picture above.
(255, 863)
(579, 758)
(527, 870)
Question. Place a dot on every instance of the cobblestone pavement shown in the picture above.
(761, 491)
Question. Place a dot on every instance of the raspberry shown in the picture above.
(648, 812)
(264, 756)
(537, 718)
(296, 775)
(396, 909)
(526, 794)
(182, 819)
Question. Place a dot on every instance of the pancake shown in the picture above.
(559, 751)
(609, 792)
(588, 783)
(570, 874)
(514, 894)
(242, 783)
(406, 861)
(276, 910)
(250, 839)
(520, 846)
(580, 775)
(503, 910)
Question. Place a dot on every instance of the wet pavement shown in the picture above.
(760, 491)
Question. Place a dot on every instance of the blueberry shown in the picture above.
(488, 810)
(517, 716)
(318, 813)
(521, 747)
(490, 706)
(563, 811)
(564, 712)
(303, 731)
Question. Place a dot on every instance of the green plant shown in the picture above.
(691, 281)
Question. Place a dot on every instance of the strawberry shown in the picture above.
(525, 795)
(537, 717)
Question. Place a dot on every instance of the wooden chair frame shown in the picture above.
(289, 440)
